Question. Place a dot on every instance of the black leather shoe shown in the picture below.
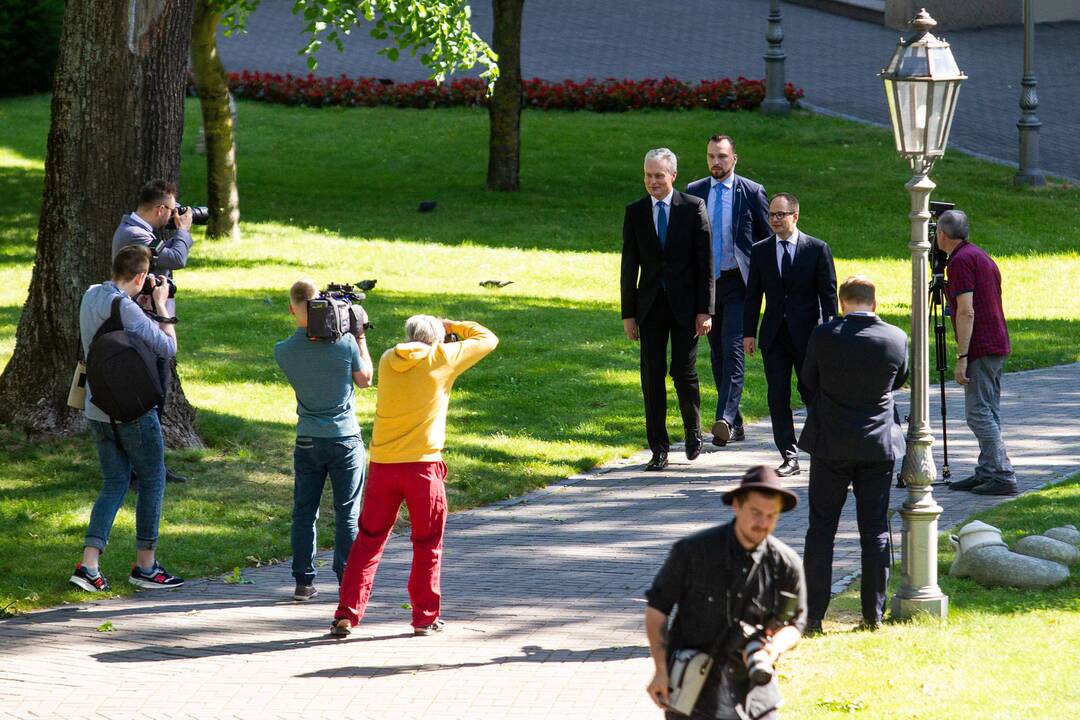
(658, 462)
(172, 477)
(694, 444)
(868, 626)
(813, 627)
(967, 483)
(788, 468)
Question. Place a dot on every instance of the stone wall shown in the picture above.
(956, 14)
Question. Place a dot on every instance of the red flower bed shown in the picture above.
(608, 95)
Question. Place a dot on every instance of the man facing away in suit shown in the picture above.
(738, 212)
(853, 434)
(794, 273)
(666, 292)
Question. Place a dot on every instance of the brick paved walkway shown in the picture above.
(835, 59)
(543, 596)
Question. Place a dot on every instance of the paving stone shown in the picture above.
(545, 618)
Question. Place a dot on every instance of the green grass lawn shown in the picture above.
(1002, 653)
(332, 194)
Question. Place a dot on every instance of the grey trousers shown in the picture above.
(982, 405)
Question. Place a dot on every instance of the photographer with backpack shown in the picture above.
(124, 348)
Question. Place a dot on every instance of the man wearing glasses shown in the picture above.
(795, 274)
(157, 207)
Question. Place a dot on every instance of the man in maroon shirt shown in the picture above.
(973, 287)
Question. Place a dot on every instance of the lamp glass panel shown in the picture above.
(935, 120)
(950, 110)
(914, 62)
(912, 97)
(942, 63)
(894, 115)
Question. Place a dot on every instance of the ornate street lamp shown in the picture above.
(776, 102)
(921, 85)
(1029, 124)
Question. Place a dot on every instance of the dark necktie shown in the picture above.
(661, 224)
(785, 262)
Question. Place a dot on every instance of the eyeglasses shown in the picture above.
(780, 215)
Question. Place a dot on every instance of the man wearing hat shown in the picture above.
(718, 577)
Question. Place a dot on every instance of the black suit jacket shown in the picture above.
(749, 215)
(804, 300)
(853, 365)
(685, 265)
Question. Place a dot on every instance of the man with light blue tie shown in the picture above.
(738, 215)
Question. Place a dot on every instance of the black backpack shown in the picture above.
(122, 371)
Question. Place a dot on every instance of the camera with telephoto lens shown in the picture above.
(751, 639)
(200, 214)
(153, 281)
(938, 258)
(338, 311)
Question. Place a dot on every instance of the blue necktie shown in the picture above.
(718, 229)
(661, 224)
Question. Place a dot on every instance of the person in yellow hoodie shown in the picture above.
(414, 382)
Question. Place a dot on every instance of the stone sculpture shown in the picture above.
(984, 557)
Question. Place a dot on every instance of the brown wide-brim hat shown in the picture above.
(763, 479)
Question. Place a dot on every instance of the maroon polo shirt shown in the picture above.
(971, 270)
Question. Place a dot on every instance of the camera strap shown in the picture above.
(160, 319)
(724, 636)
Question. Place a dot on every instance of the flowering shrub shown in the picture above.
(608, 95)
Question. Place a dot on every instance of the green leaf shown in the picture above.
(106, 626)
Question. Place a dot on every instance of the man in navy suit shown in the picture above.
(666, 293)
(795, 274)
(738, 211)
(853, 434)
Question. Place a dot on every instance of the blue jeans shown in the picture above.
(726, 348)
(142, 451)
(314, 458)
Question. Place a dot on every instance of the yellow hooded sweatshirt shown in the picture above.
(414, 391)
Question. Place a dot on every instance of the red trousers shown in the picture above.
(420, 485)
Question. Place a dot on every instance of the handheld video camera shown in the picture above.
(338, 310)
(751, 638)
(938, 258)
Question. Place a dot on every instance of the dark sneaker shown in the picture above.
(813, 628)
(431, 629)
(304, 592)
(738, 434)
(158, 578)
(968, 483)
(81, 579)
(868, 626)
(341, 627)
(996, 487)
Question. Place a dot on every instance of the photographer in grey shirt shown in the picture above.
(157, 207)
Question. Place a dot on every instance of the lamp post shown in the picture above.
(775, 102)
(921, 85)
(1029, 124)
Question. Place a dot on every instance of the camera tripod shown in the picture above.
(937, 315)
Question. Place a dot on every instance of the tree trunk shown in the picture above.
(117, 120)
(211, 82)
(504, 110)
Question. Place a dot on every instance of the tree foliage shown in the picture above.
(439, 33)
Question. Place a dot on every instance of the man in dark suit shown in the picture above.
(794, 272)
(738, 213)
(853, 434)
(667, 292)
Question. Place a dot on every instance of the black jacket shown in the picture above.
(685, 265)
(853, 365)
(803, 300)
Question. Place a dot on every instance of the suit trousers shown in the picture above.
(780, 358)
(725, 346)
(655, 330)
(829, 481)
